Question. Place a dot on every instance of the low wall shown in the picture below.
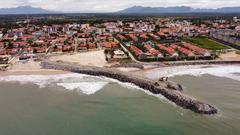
(177, 97)
(205, 62)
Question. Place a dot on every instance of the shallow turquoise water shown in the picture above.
(30, 110)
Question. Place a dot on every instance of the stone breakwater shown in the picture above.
(154, 87)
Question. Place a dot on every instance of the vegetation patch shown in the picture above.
(206, 43)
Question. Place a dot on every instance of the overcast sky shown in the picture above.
(113, 5)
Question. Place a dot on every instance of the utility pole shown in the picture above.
(76, 44)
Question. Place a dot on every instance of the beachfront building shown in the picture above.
(170, 51)
(137, 52)
(153, 51)
(182, 50)
(197, 50)
(132, 37)
(119, 54)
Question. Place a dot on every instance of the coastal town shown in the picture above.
(119, 67)
(110, 42)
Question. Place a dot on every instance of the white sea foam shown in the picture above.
(39, 79)
(228, 71)
(85, 87)
(84, 83)
(132, 86)
(123, 84)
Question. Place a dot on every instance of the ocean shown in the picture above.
(71, 104)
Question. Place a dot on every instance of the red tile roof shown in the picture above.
(12, 51)
(144, 36)
(120, 37)
(152, 50)
(66, 48)
(1, 44)
(194, 48)
(169, 50)
(132, 36)
(136, 50)
(153, 36)
(109, 44)
(92, 46)
(182, 50)
(3, 52)
(20, 44)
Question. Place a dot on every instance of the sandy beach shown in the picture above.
(29, 68)
(229, 56)
(92, 58)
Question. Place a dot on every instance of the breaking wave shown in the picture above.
(131, 86)
(72, 81)
(228, 71)
(91, 84)
(85, 84)
(84, 87)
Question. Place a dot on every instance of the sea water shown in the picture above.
(71, 104)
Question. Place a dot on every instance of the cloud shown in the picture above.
(114, 5)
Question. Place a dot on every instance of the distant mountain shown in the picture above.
(180, 9)
(134, 10)
(24, 10)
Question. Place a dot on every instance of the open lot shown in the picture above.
(91, 58)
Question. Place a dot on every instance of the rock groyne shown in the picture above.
(177, 97)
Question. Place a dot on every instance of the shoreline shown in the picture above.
(34, 68)
(201, 66)
(28, 68)
(32, 72)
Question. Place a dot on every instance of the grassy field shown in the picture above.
(206, 43)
